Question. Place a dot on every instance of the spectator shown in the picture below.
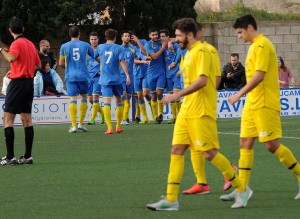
(45, 54)
(284, 74)
(47, 81)
(233, 74)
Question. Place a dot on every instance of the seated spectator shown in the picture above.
(233, 74)
(47, 81)
(6, 81)
(285, 75)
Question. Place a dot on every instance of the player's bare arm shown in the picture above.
(255, 80)
(125, 69)
(138, 42)
(61, 62)
(156, 55)
(8, 56)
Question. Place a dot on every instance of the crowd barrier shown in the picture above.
(54, 110)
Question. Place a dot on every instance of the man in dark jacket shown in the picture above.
(233, 74)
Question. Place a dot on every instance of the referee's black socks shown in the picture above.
(9, 140)
(29, 134)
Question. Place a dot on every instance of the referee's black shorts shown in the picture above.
(19, 96)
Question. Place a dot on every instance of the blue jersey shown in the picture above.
(76, 53)
(93, 67)
(110, 56)
(140, 70)
(129, 53)
(156, 67)
(170, 56)
(179, 55)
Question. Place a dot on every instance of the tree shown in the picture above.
(47, 18)
(44, 18)
(140, 15)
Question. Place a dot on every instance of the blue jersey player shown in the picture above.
(156, 72)
(129, 53)
(73, 57)
(172, 78)
(141, 86)
(111, 55)
(94, 86)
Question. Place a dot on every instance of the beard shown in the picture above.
(183, 44)
(45, 51)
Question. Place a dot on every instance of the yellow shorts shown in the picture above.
(199, 133)
(263, 123)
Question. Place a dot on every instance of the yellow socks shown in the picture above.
(149, 102)
(107, 115)
(126, 108)
(119, 112)
(95, 109)
(73, 112)
(288, 160)
(245, 165)
(137, 110)
(160, 107)
(174, 177)
(83, 108)
(174, 109)
(100, 110)
(221, 162)
(178, 105)
(154, 109)
(143, 109)
(198, 163)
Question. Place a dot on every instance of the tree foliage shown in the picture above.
(44, 18)
(47, 18)
(142, 14)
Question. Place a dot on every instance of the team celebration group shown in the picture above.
(188, 67)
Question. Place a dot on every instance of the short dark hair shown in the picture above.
(235, 55)
(94, 33)
(44, 63)
(186, 25)
(244, 21)
(74, 31)
(125, 31)
(165, 31)
(16, 25)
(110, 34)
(152, 29)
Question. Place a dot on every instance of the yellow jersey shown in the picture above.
(216, 65)
(203, 102)
(262, 57)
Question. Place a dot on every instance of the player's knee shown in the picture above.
(178, 149)
(272, 146)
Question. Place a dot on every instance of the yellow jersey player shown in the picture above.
(261, 114)
(198, 108)
(197, 157)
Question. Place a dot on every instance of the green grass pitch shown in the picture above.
(90, 175)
